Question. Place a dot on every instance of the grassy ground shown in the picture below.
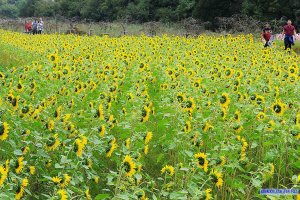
(11, 56)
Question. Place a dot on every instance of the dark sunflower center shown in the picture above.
(258, 101)
(144, 113)
(17, 164)
(50, 142)
(223, 100)
(108, 148)
(201, 161)
(277, 108)
(222, 113)
(25, 109)
(196, 84)
(253, 97)
(236, 116)
(14, 102)
(126, 166)
(19, 86)
(214, 179)
(1, 129)
(179, 99)
(189, 104)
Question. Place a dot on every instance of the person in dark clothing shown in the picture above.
(34, 27)
(289, 32)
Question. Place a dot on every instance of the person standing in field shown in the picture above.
(28, 27)
(289, 32)
(39, 27)
(34, 27)
(266, 35)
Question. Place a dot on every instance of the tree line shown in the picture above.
(151, 10)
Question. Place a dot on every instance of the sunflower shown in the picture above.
(180, 97)
(148, 137)
(293, 78)
(111, 147)
(207, 127)
(228, 72)
(224, 100)
(187, 127)
(79, 145)
(50, 125)
(25, 150)
(62, 181)
(19, 165)
(223, 113)
(21, 189)
(221, 161)
(197, 83)
(208, 195)
(3, 172)
(87, 194)
(129, 166)
(124, 111)
(15, 102)
(57, 112)
(53, 57)
(32, 170)
(146, 149)
(101, 130)
(202, 162)
(52, 143)
(63, 194)
(259, 99)
(20, 87)
(297, 120)
(189, 105)
(237, 116)
(278, 108)
(168, 169)
(217, 178)
(145, 114)
(127, 143)
(2, 76)
(4, 130)
(261, 116)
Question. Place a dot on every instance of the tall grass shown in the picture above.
(11, 56)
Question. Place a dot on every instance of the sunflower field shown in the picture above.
(140, 117)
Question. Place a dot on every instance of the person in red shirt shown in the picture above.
(266, 35)
(289, 32)
(28, 27)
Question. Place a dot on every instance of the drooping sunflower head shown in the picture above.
(4, 130)
(217, 178)
(148, 137)
(129, 166)
(202, 162)
(19, 165)
(224, 100)
(168, 169)
(52, 143)
(187, 127)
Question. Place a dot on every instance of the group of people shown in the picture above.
(289, 33)
(35, 27)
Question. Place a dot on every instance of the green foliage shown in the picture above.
(155, 10)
